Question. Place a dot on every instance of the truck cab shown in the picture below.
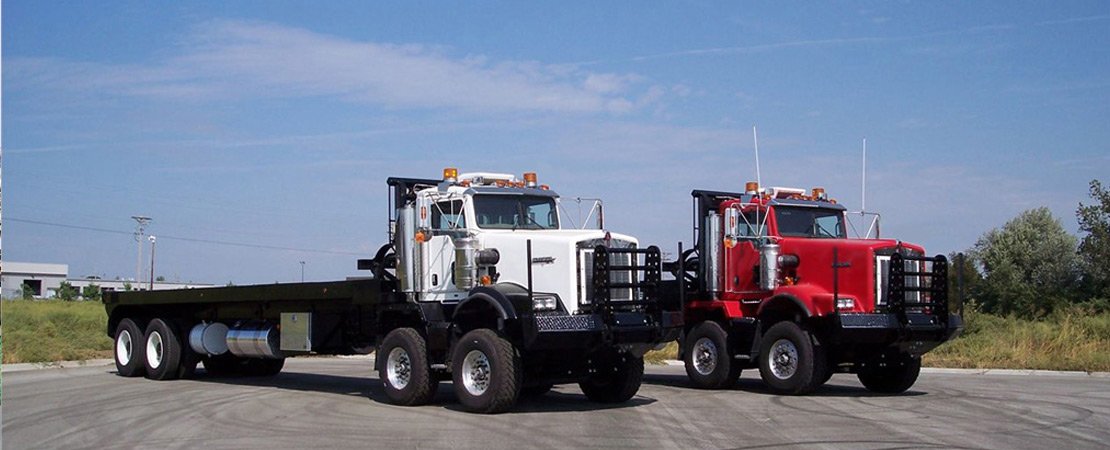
(775, 282)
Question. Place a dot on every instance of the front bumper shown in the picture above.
(588, 331)
(915, 334)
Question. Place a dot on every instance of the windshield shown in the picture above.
(515, 211)
(810, 222)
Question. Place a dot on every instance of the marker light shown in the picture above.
(420, 237)
(845, 303)
(486, 281)
(451, 174)
(751, 188)
(530, 179)
(819, 193)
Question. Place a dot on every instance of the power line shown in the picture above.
(185, 239)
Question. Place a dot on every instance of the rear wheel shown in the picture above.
(162, 351)
(890, 375)
(617, 382)
(129, 349)
(486, 372)
(788, 360)
(709, 362)
(405, 372)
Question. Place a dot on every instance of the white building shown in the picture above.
(44, 280)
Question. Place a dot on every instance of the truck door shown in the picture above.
(743, 227)
(446, 220)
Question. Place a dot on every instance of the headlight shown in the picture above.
(544, 303)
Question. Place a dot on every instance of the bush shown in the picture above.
(54, 330)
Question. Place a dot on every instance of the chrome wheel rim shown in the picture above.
(398, 368)
(704, 356)
(784, 359)
(476, 372)
(154, 350)
(123, 348)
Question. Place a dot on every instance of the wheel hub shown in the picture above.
(705, 356)
(784, 359)
(154, 350)
(123, 348)
(476, 372)
(398, 368)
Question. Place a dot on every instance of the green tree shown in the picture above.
(972, 279)
(127, 286)
(160, 278)
(66, 292)
(25, 292)
(1094, 249)
(91, 292)
(1029, 265)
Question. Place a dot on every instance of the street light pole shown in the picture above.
(302, 271)
(152, 263)
(140, 226)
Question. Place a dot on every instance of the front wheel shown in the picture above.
(890, 375)
(404, 370)
(789, 363)
(486, 372)
(708, 360)
(616, 382)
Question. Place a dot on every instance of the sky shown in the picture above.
(259, 134)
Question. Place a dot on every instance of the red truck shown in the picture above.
(774, 282)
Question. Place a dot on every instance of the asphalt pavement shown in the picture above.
(337, 403)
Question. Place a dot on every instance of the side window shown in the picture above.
(749, 224)
(448, 215)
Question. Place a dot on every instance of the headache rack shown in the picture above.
(928, 295)
(644, 280)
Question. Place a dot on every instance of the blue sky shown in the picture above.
(275, 124)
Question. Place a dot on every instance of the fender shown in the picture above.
(784, 301)
(490, 296)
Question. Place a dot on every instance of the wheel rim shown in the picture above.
(154, 350)
(123, 348)
(784, 359)
(476, 372)
(705, 356)
(398, 368)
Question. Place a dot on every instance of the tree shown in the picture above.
(972, 279)
(25, 292)
(1029, 265)
(126, 286)
(1094, 250)
(66, 292)
(160, 278)
(91, 292)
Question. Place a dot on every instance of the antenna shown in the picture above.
(863, 183)
(755, 138)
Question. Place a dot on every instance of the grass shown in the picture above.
(1067, 341)
(54, 330)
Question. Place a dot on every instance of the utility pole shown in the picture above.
(152, 239)
(140, 226)
(302, 271)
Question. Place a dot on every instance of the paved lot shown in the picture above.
(336, 403)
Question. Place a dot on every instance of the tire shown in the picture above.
(788, 361)
(535, 391)
(708, 357)
(486, 372)
(128, 349)
(617, 382)
(404, 370)
(162, 352)
(890, 375)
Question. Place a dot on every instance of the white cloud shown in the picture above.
(234, 59)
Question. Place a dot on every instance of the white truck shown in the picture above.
(482, 282)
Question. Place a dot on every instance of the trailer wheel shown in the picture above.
(616, 383)
(486, 372)
(709, 362)
(162, 351)
(129, 348)
(890, 375)
(788, 361)
(405, 372)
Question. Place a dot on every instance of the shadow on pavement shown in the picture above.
(756, 386)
